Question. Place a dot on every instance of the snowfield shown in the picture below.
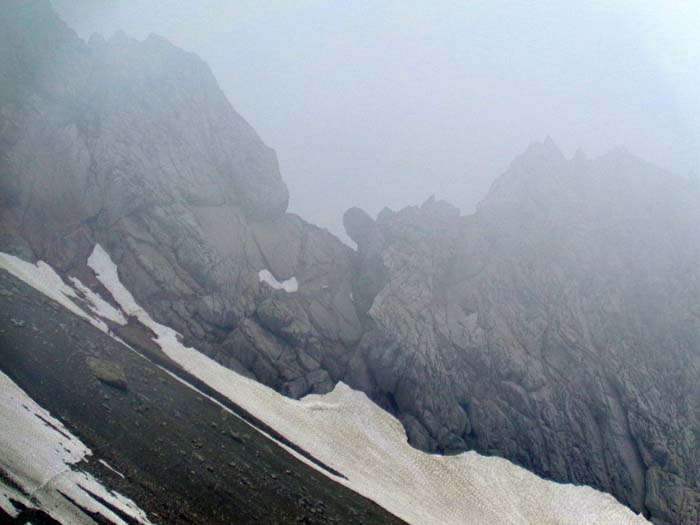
(43, 278)
(290, 285)
(38, 453)
(348, 432)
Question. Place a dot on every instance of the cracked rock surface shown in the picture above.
(557, 327)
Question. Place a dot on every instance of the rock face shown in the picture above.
(133, 144)
(557, 327)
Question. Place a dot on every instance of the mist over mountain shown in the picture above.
(383, 103)
(555, 327)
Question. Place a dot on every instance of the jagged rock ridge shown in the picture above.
(556, 327)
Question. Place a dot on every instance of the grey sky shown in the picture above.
(376, 103)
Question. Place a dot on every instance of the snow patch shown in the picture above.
(110, 467)
(39, 454)
(97, 304)
(289, 286)
(43, 278)
(345, 430)
(106, 272)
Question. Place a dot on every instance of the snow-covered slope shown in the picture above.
(345, 430)
(38, 454)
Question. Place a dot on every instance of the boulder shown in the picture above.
(109, 373)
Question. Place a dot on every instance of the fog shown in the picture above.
(383, 103)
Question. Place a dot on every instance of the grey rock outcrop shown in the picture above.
(109, 373)
(557, 327)
(134, 146)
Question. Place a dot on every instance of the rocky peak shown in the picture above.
(33, 45)
(527, 185)
(439, 208)
(358, 225)
(539, 155)
(550, 307)
(135, 147)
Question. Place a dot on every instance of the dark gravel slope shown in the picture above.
(186, 460)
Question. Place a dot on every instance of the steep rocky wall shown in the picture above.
(558, 327)
(133, 145)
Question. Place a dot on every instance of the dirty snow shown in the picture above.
(289, 286)
(345, 430)
(39, 454)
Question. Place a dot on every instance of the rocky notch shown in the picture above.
(556, 327)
